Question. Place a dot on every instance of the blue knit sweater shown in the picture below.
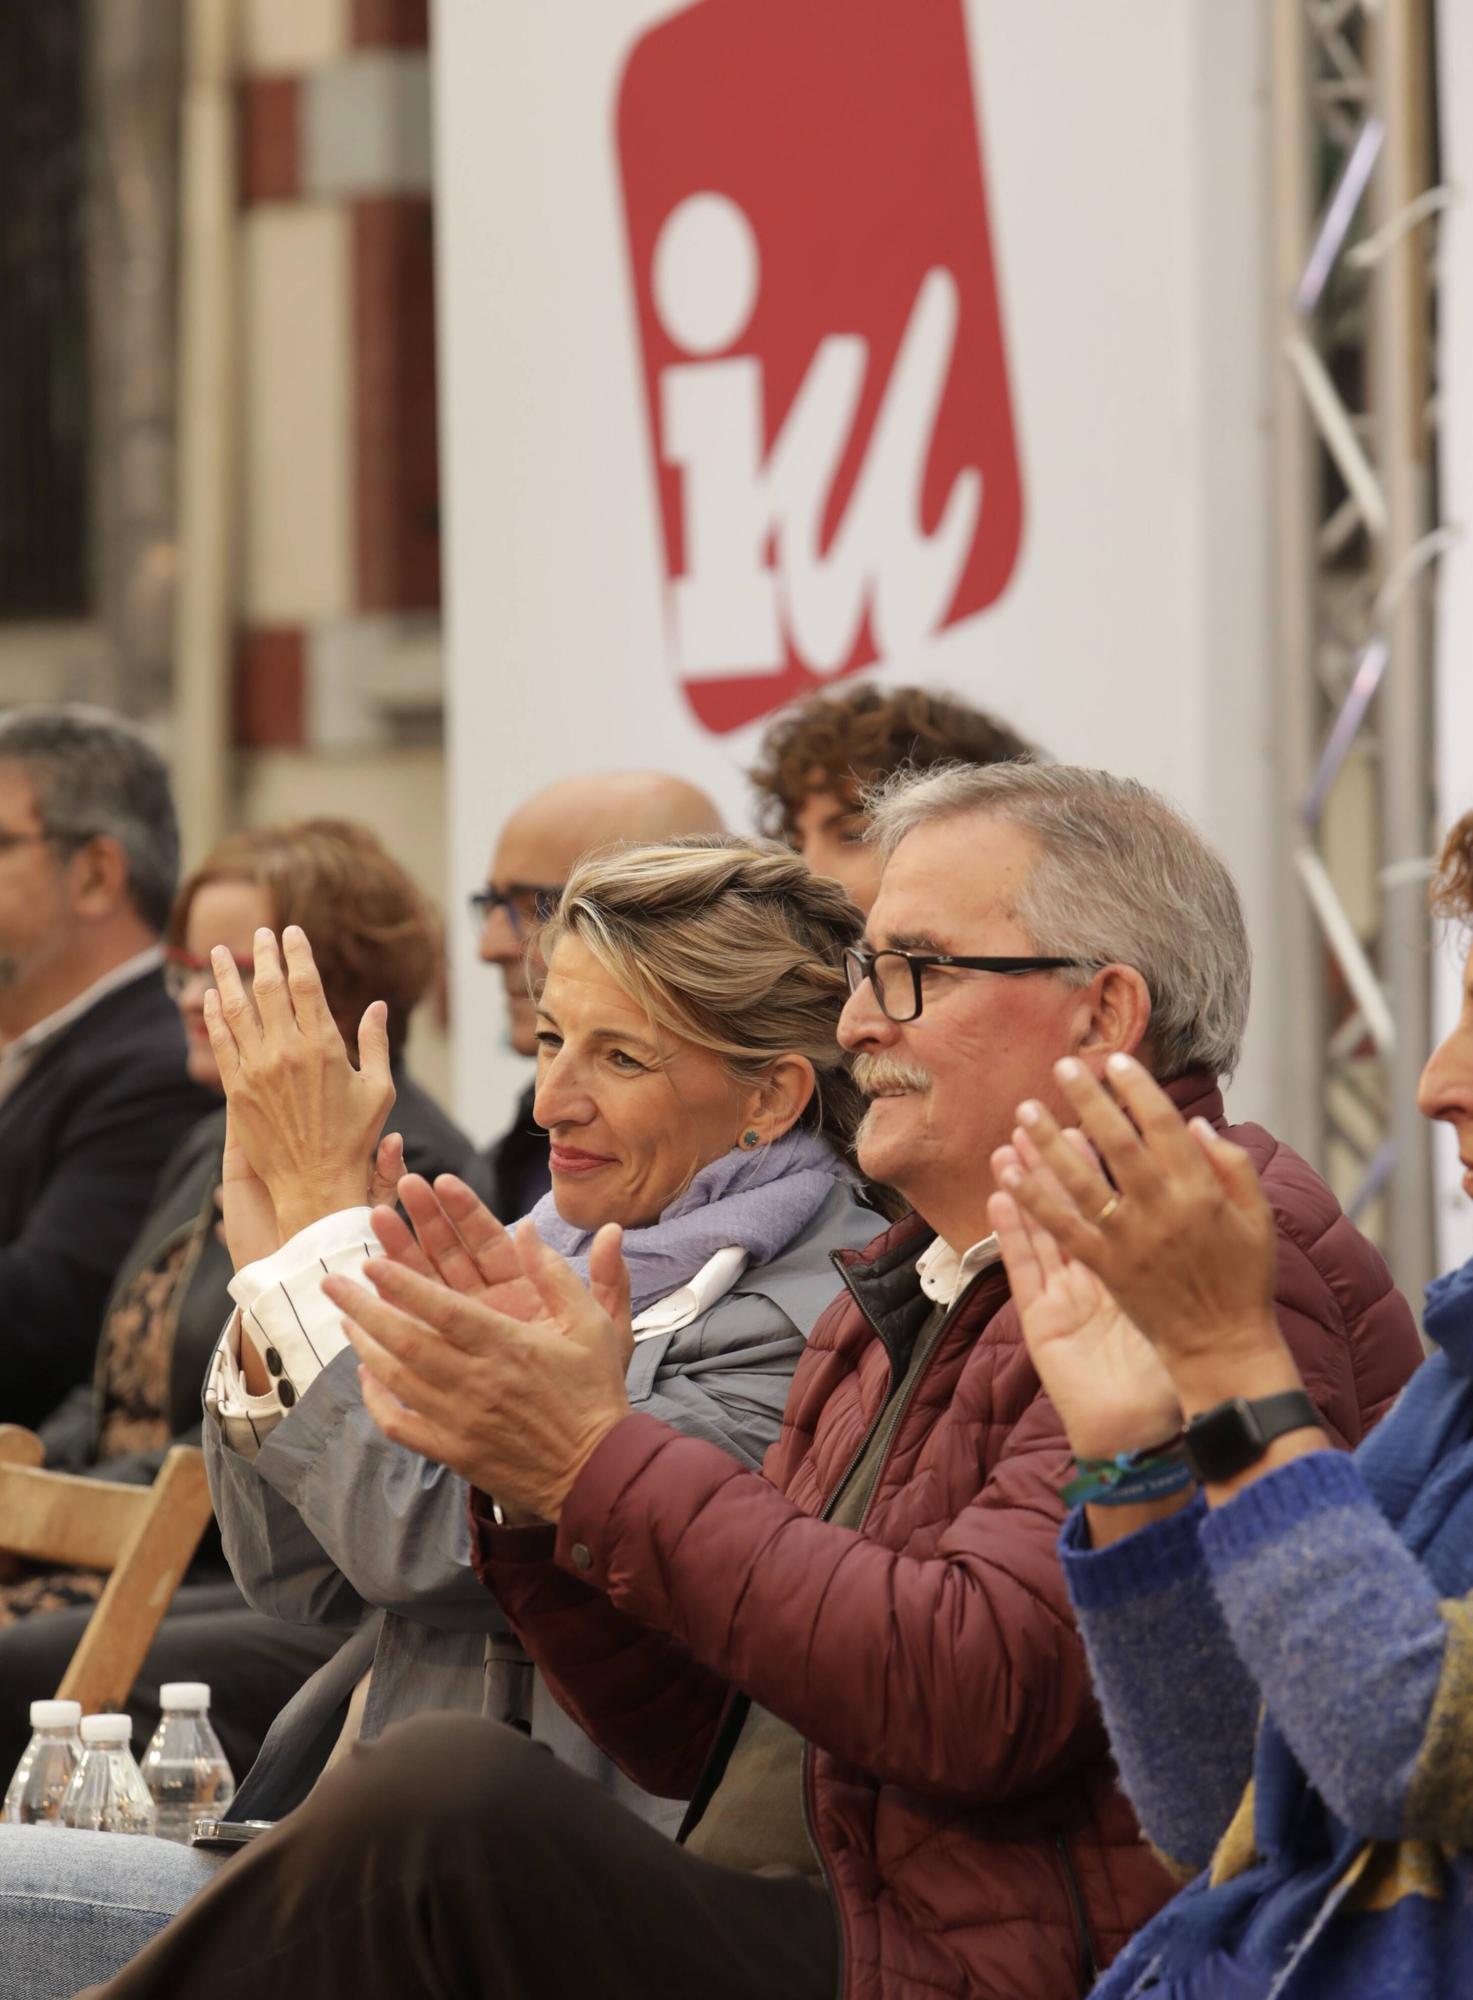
(1288, 1685)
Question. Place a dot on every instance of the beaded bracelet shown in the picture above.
(1127, 1480)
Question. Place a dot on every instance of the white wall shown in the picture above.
(1124, 149)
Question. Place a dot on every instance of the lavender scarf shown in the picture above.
(757, 1202)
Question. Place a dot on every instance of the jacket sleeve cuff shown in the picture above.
(245, 1420)
(329, 1236)
(527, 1542)
(594, 1496)
(293, 1327)
(1282, 1500)
(1150, 1560)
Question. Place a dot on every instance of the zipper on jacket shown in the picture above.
(809, 1783)
(728, 1729)
(735, 1714)
(864, 1444)
(1089, 1966)
(806, 1791)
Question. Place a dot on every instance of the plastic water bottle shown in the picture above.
(35, 1793)
(107, 1793)
(184, 1767)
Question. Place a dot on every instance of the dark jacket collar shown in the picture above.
(1198, 1094)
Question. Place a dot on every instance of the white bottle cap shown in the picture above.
(107, 1728)
(55, 1714)
(185, 1694)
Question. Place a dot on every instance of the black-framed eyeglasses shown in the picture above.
(895, 976)
(528, 905)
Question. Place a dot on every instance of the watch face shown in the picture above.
(1225, 1441)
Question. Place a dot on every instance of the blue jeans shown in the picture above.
(75, 1907)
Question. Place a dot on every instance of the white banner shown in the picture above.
(790, 339)
(1454, 699)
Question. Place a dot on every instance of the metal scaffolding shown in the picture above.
(1354, 228)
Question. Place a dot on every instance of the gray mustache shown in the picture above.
(876, 1073)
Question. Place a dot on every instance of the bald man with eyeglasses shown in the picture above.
(534, 855)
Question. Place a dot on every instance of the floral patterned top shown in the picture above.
(137, 1348)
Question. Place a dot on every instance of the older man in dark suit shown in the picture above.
(93, 1090)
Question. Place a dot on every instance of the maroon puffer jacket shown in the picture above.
(958, 1789)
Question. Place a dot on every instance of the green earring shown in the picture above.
(749, 1139)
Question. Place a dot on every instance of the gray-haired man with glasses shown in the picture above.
(859, 1664)
(94, 1094)
(534, 855)
(1032, 913)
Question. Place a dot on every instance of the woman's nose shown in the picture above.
(560, 1098)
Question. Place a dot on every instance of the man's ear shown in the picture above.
(99, 878)
(779, 1101)
(1118, 1016)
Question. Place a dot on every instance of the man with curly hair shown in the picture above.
(815, 761)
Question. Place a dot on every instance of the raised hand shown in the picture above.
(515, 1405)
(1100, 1372)
(304, 1118)
(249, 1215)
(1183, 1239)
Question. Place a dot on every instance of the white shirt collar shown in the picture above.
(41, 1032)
(944, 1273)
(714, 1279)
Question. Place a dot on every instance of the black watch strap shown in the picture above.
(1222, 1442)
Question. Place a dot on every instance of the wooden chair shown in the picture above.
(143, 1536)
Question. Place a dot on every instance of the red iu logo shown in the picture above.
(823, 352)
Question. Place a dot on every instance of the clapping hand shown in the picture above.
(303, 1123)
(457, 1241)
(1179, 1233)
(248, 1214)
(514, 1401)
(1110, 1388)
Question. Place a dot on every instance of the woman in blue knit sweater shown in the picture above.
(1282, 1644)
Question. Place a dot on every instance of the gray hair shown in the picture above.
(94, 774)
(1122, 878)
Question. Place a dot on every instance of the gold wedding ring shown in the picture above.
(1107, 1211)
